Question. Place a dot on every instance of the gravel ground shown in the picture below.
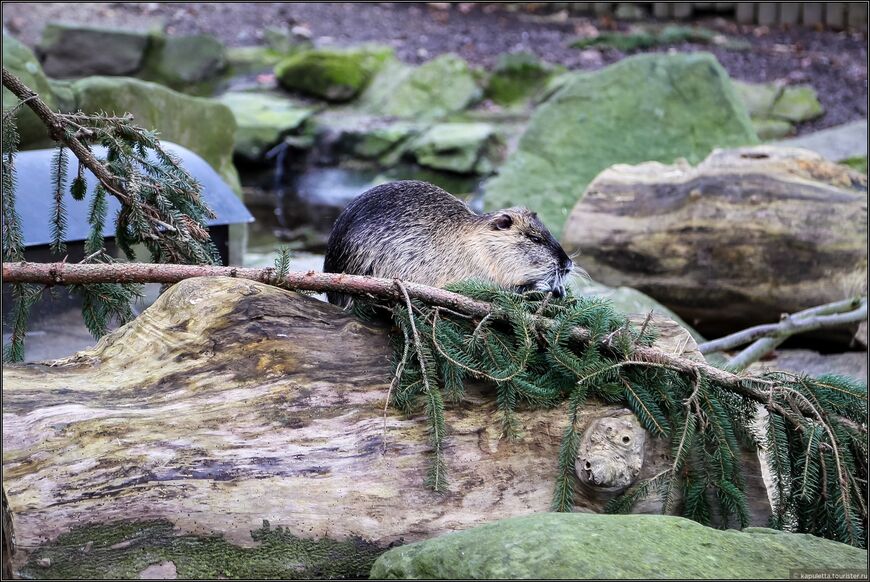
(835, 63)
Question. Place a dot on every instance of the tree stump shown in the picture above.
(235, 429)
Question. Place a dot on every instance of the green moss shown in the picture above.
(771, 129)
(643, 108)
(518, 77)
(455, 147)
(649, 37)
(262, 120)
(123, 550)
(797, 104)
(334, 75)
(570, 546)
(858, 163)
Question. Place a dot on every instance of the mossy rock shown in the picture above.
(797, 104)
(648, 107)
(21, 62)
(190, 64)
(70, 50)
(262, 120)
(858, 163)
(332, 74)
(455, 147)
(518, 77)
(243, 60)
(771, 129)
(202, 125)
(378, 142)
(758, 98)
(640, 38)
(585, 545)
(433, 90)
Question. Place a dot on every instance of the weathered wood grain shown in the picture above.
(230, 402)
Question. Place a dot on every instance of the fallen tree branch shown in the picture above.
(84, 274)
(791, 326)
(822, 316)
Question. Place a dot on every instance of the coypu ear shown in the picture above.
(502, 222)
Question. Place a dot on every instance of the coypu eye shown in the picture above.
(536, 239)
(503, 222)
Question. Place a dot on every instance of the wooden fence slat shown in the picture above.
(746, 12)
(682, 9)
(767, 13)
(662, 9)
(858, 14)
(835, 14)
(812, 13)
(789, 12)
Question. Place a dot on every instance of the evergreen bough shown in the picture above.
(818, 460)
(161, 207)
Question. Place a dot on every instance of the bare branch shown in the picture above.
(818, 317)
(65, 274)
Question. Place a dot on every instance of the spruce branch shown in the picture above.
(161, 203)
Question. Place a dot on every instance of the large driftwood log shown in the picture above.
(166, 448)
(746, 235)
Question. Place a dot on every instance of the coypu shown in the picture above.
(417, 232)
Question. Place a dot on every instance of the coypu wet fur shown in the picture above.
(415, 231)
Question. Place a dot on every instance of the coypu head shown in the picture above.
(521, 252)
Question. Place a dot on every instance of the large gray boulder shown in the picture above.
(641, 547)
(192, 64)
(75, 50)
(744, 236)
(648, 107)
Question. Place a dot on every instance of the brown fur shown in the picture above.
(417, 232)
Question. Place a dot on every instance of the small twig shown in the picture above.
(544, 303)
(90, 256)
(480, 325)
(397, 378)
(10, 113)
(418, 344)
